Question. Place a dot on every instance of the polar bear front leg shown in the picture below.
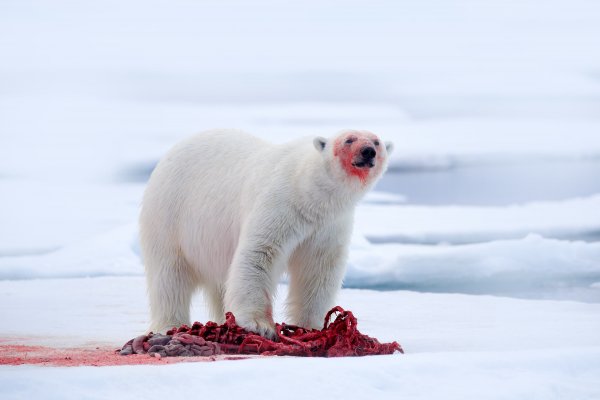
(316, 271)
(250, 288)
(253, 276)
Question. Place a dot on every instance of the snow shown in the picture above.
(478, 251)
(531, 267)
(465, 344)
(530, 374)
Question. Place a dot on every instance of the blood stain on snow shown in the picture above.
(13, 354)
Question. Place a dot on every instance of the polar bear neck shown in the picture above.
(324, 192)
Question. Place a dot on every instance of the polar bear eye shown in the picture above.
(376, 143)
(350, 140)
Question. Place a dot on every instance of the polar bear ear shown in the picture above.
(319, 143)
(389, 147)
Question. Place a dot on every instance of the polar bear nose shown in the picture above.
(368, 152)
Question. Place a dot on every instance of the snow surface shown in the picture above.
(479, 252)
(456, 346)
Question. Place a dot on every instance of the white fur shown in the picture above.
(229, 213)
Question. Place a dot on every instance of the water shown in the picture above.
(496, 185)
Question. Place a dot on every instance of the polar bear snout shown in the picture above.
(368, 153)
(365, 157)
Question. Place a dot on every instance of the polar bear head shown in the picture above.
(355, 155)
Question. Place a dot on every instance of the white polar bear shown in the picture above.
(229, 213)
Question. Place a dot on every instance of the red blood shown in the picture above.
(99, 357)
(18, 354)
(347, 152)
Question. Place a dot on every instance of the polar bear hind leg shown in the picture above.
(170, 288)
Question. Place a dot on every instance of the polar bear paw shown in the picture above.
(260, 324)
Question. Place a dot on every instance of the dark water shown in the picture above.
(496, 185)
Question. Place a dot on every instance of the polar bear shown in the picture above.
(228, 213)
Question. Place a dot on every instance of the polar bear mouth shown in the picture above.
(363, 164)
